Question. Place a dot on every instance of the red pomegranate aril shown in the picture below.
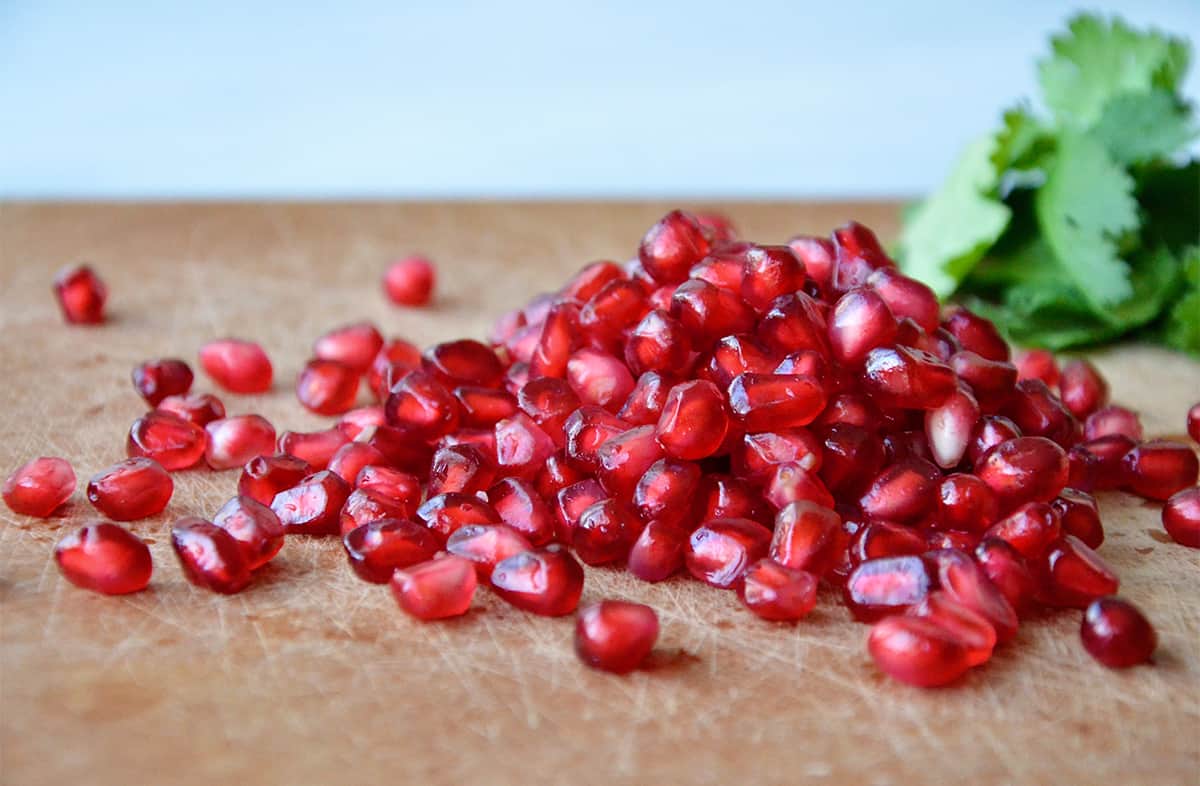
(734, 355)
(437, 589)
(313, 506)
(1113, 420)
(976, 334)
(615, 635)
(1082, 389)
(154, 380)
(522, 508)
(1030, 529)
(667, 490)
(1039, 413)
(211, 558)
(132, 489)
(851, 457)
(948, 428)
(350, 459)
(903, 492)
(236, 365)
(327, 387)
(769, 272)
(966, 503)
(878, 539)
(199, 408)
(254, 526)
(790, 482)
(483, 407)
(586, 430)
(1099, 462)
(1159, 468)
(389, 482)
(720, 550)
(1074, 575)
(708, 312)
(572, 501)
(409, 281)
(1038, 364)
(625, 457)
(776, 592)
(395, 359)
(559, 335)
(657, 554)
(605, 532)
(989, 432)
(951, 539)
(463, 362)
(1181, 517)
(963, 579)
(906, 297)
(647, 399)
(794, 323)
(355, 346)
(599, 379)
(481, 439)
(617, 306)
(694, 421)
(1080, 516)
(549, 402)
(1025, 469)
(971, 628)
(315, 448)
(918, 651)
(421, 405)
(860, 322)
(1116, 633)
(173, 442)
(354, 422)
(1193, 422)
(1007, 570)
(590, 279)
(879, 587)
(364, 506)
(522, 447)
(657, 343)
(486, 545)
(459, 468)
(756, 455)
(233, 441)
(672, 246)
(546, 581)
(81, 295)
(39, 487)
(770, 401)
(376, 549)
(804, 363)
(104, 558)
(806, 537)
(446, 513)
(727, 497)
(817, 254)
(557, 473)
(905, 378)
(992, 381)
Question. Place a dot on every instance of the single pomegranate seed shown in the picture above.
(354, 422)
(719, 551)
(615, 635)
(81, 295)
(1159, 468)
(967, 583)
(794, 323)
(776, 592)
(1025, 469)
(770, 271)
(605, 532)
(211, 558)
(726, 497)
(989, 432)
(312, 507)
(851, 457)
(389, 482)
(483, 407)
(1074, 575)
(600, 379)
(446, 513)
(966, 503)
(198, 408)
(154, 380)
(591, 278)
(972, 629)
(806, 537)
(1096, 464)
(616, 307)
(716, 227)
(1007, 570)
(1040, 413)
(647, 399)
(135, 488)
(657, 553)
(39, 487)
(905, 378)
(949, 427)
(315, 448)
(171, 441)
(976, 334)
(521, 446)
(672, 246)
(667, 490)
(860, 322)
(545, 581)
(396, 358)
(464, 362)
(756, 455)
(401, 449)
(902, 492)
(1038, 364)
(459, 468)
(364, 506)
(104, 558)
(376, 549)
(817, 254)
(657, 343)
(1083, 389)
(694, 421)
(586, 430)
(1030, 529)
(327, 387)
(1117, 634)
(254, 526)
(789, 482)
(436, 589)
(236, 440)
(1113, 420)
(625, 457)
(236, 365)
(557, 473)
(1193, 422)
(992, 381)
(906, 297)
(762, 402)
(708, 312)
(735, 355)
(1080, 516)
(879, 587)
(422, 405)
(522, 508)
(559, 334)
(354, 345)
(804, 363)
(486, 545)
(549, 402)
(918, 651)
(572, 501)
(409, 281)
(1181, 517)
(878, 539)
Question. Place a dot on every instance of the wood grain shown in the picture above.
(311, 676)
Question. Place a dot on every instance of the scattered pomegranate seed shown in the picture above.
(973, 630)
(976, 334)
(672, 246)
(354, 345)
(315, 448)
(1080, 516)
(173, 442)
(364, 506)
(436, 589)
(236, 365)
(545, 581)
(265, 476)
(522, 508)
(234, 441)
(422, 405)
(312, 506)
(1082, 388)
(327, 387)
(776, 592)
(719, 551)
(409, 281)
(1024, 469)
(154, 380)
(1181, 517)
(446, 513)
(486, 545)
(135, 488)
(716, 227)
(378, 548)
(1038, 364)
(1113, 420)
(1117, 634)
(396, 358)
(254, 526)
(694, 421)
(199, 408)
(1074, 575)
(879, 587)
(615, 635)
(104, 558)
(39, 487)
(1030, 529)
(605, 532)
(211, 558)
(81, 295)
(1159, 468)
(918, 651)
(356, 421)
(657, 554)
(766, 401)
(1006, 569)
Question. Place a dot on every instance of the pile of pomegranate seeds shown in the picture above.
(761, 418)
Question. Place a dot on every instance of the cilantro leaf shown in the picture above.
(1182, 329)
(1140, 127)
(1170, 200)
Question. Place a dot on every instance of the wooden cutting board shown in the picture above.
(311, 676)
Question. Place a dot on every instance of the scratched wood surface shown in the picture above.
(311, 676)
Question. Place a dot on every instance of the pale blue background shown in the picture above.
(421, 99)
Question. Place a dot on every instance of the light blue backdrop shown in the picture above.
(768, 98)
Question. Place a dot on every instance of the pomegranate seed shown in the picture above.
(720, 550)
(39, 487)
(521, 507)
(694, 421)
(949, 427)
(389, 482)
(395, 359)
(646, 401)
(902, 492)
(1030, 529)
(966, 503)
(315, 448)
(484, 407)
(795, 322)
(906, 297)
(486, 545)
(817, 254)
(672, 246)
(81, 295)
(211, 558)
(599, 379)
(171, 441)
(1159, 468)
(557, 473)
(376, 549)
(1082, 388)
(236, 365)
(154, 380)
(605, 532)
(554, 345)
(104, 558)
(572, 501)
(905, 378)
(615, 635)
(356, 421)
(545, 581)
(354, 345)
(969, 584)
(708, 312)
(1193, 422)
(135, 488)
(521, 446)
(989, 432)
(549, 402)
(409, 281)
(1099, 462)
(254, 526)
(716, 227)
(364, 506)
(776, 592)
(806, 537)
(879, 587)
(789, 482)
(327, 387)
(617, 306)
(734, 355)
(1025, 469)
(482, 440)
(1038, 364)
(234, 441)
(446, 513)
(312, 506)
(1181, 517)
(657, 343)
(765, 401)
(436, 589)
(976, 334)
(351, 458)
(459, 468)
(1074, 575)
(657, 553)
(464, 362)
(992, 381)
(1117, 634)
(586, 430)
(770, 271)
(725, 497)
(1006, 569)
(756, 455)
(539, 307)
(1079, 515)
(851, 457)
(198, 408)
(878, 539)
(1040, 413)
(590, 279)
(667, 490)
(972, 629)
(422, 406)
(918, 651)
(860, 322)
(1113, 420)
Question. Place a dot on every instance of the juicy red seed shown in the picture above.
(327, 387)
(615, 635)
(571, 501)
(776, 592)
(199, 408)
(1074, 575)
(970, 627)
(1193, 422)
(756, 455)
(948, 428)
(154, 380)
(396, 358)
(708, 312)
(81, 295)
(817, 254)
(717, 228)
(804, 363)
(459, 468)
(968, 584)
(905, 378)
(719, 551)
(355, 346)
(672, 246)
(1037, 412)
(657, 343)
(1100, 461)
(135, 488)
(236, 440)
(906, 297)
(878, 539)
(171, 441)
(770, 271)
(657, 553)
(557, 473)
(211, 558)
(966, 503)
(559, 334)
(617, 306)
(236, 365)
(1117, 634)
(860, 322)
(599, 379)
(1025, 469)
(1030, 529)
(989, 432)
(481, 439)
(794, 323)
(446, 513)
(436, 589)
(521, 507)
(1159, 468)
(1080, 516)
(522, 447)
(734, 355)
(790, 482)
(879, 587)
(976, 334)
(354, 422)
(464, 362)
(539, 306)
(586, 430)
(762, 402)
(992, 381)
(1082, 389)
(312, 506)
(647, 399)
(389, 482)
(806, 537)
(667, 490)
(254, 526)
(315, 448)
(376, 549)
(902, 492)
(350, 459)
(1007, 570)
(421, 405)
(545, 581)
(39, 487)
(725, 497)
(1113, 420)
(694, 421)
(851, 457)
(409, 281)
(486, 545)
(483, 407)
(605, 532)
(1181, 517)
(104, 558)
(364, 506)
(590, 279)
(1038, 364)
(918, 651)
(549, 402)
